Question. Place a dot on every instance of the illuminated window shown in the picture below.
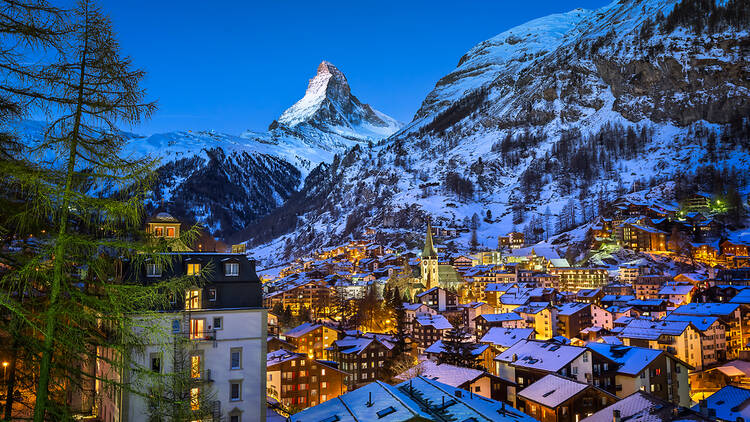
(193, 268)
(158, 231)
(193, 299)
(197, 328)
(170, 231)
(195, 398)
(195, 366)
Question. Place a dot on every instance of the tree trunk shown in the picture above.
(42, 392)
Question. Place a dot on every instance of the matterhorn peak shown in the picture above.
(329, 105)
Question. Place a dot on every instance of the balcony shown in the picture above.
(666, 340)
(202, 376)
(203, 335)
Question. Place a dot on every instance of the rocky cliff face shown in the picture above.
(542, 121)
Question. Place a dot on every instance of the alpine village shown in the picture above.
(561, 232)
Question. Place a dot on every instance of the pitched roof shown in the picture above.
(643, 407)
(507, 316)
(281, 356)
(302, 329)
(552, 390)
(702, 323)
(429, 249)
(452, 375)
(716, 309)
(632, 360)
(734, 368)
(571, 308)
(506, 337)
(542, 355)
(438, 347)
(730, 403)
(652, 330)
(419, 398)
(438, 322)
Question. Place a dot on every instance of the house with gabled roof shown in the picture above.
(730, 404)
(560, 399)
(418, 399)
(642, 406)
(311, 339)
(640, 369)
(503, 338)
(295, 380)
(485, 322)
(679, 338)
(363, 357)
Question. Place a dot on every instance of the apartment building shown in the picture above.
(295, 380)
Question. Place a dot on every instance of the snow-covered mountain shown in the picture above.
(544, 120)
(227, 181)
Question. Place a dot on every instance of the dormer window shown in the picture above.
(232, 269)
(193, 268)
(153, 270)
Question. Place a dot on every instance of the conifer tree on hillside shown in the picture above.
(82, 203)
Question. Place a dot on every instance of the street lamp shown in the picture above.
(5, 369)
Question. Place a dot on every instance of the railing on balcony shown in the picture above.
(203, 335)
(666, 340)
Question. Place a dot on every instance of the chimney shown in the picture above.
(514, 357)
(616, 415)
(369, 399)
(703, 407)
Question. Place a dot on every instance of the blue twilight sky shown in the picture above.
(233, 65)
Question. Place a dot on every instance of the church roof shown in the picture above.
(429, 249)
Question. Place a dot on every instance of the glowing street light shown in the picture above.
(5, 369)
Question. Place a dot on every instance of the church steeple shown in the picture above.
(429, 250)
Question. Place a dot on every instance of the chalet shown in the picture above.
(557, 399)
(297, 381)
(542, 318)
(731, 314)
(274, 343)
(615, 300)
(648, 286)
(649, 307)
(483, 354)
(363, 357)
(572, 318)
(428, 329)
(589, 295)
(412, 311)
(311, 339)
(503, 338)
(712, 340)
(485, 322)
(618, 289)
(680, 338)
(651, 370)
(734, 276)
(298, 291)
(677, 293)
(639, 237)
(438, 299)
(513, 240)
(470, 311)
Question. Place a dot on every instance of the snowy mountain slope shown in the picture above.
(552, 116)
(226, 181)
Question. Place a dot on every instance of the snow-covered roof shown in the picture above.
(541, 355)
(499, 287)
(455, 376)
(506, 337)
(507, 316)
(701, 322)
(742, 297)
(735, 368)
(632, 360)
(559, 262)
(438, 347)
(643, 407)
(438, 322)
(552, 390)
(717, 309)
(571, 308)
(652, 330)
(281, 356)
(730, 403)
(676, 289)
(302, 329)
